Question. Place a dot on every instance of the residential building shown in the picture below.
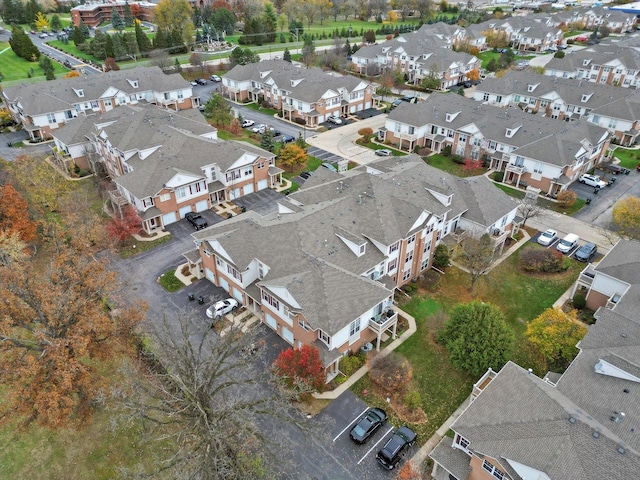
(93, 14)
(610, 107)
(579, 425)
(596, 17)
(611, 64)
(307, 95)
(531, 150)
(357, 235)
(42, 108)
(526, 34)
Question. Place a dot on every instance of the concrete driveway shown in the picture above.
(341, 141)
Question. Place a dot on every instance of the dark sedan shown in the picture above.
(586, 252)
(367, 425)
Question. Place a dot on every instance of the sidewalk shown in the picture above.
(333, 394)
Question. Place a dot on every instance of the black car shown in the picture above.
(201, 81)
(586, 252)
(196, 220)
(287, 139)
(305, 175)
(396, 446)
(367, 425)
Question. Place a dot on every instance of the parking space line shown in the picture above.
(375, 445)
(352, 422)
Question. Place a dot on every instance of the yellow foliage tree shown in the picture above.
(473, 75)
(496, 39)
(71, 74)
(292, 156)
(626, 217)
(555, 334)
(175, 15)
(392, 16)
(41, 21)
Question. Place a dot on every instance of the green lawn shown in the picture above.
(628, 158)
(15, 68)
(170, 282)
(448, 165)
(486, 57)
(546, 203)
(442, 388)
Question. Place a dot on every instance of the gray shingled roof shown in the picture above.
(622, 262)
(59, 95)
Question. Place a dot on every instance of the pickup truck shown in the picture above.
(196, 220)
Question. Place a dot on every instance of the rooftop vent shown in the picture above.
(621, 450)
(572, 419)
(595, 434)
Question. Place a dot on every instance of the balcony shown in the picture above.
(587, 275)
(288, 108)
(516, 169)
(481, 384)
(380, 323)
(498, 236)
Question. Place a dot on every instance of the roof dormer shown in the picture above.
(295, 83)
(512, 131)
(265, 73)
(532, 86)
(79, 92)
(586, 62)
(451, 116)
(133, 83)
(586, 97)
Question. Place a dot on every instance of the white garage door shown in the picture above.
(248, 188)
(367, 105)
(262, 184)
(169, 218)
(287, 335)
(271, 321)
(224, 284)
(202, 206)
(237, 294)
(210, 275)
(321, 119)
(233, 194)
(185, 210)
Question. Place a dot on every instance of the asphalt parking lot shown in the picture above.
(597, 257)
(263, 202)
(323, 155)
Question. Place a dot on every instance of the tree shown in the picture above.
(390, 372)
(286, 56)
(131, 45)
(369, 36)
(528, 207)
(47, 67)
(567, 198)
(477, 337)
(22, 45)
(14, 217)
(78, 37)
(218, 110)
(626, 217)
(266, 140)
(128, 16)
(56, 24)
(160, 58)
(441, 256)
(555, 334)
(242, 56)
(124, 224)
(116, 20)
(195, 59)
(207, 394)
(292, 156)
(175, 15)
(52, 326)
(144, 45)
(308, 51)
(431, 81)
(473, 75)
(476, 253)
(12, 249)
(41, 22)
(301, 368)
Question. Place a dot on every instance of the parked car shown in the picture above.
(367, 425)
(334, 120)
(287, 139)
(615, 169)
(384, 152)
(547, 237)
(328, 166)
(593, 181)
(201, 81)
(215, 78)
(196, 220)
(260, 128)
(218, 309)
(586, 252)
(193, 83)
(43, 35)
(247, 123)
(201, 108)
(568, 243)
(305, 175)
(276, 133)
(396, 447)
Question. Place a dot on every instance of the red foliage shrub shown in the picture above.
(301, 365)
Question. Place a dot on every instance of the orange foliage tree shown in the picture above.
(292, 156)
(52, 327)
(71, 74)
(301, 367)
(473, 75)
(13, 214)
(122, 226)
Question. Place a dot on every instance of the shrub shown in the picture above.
(301, 368)
(498, 176)
(558, 54)
(365, 132)
(579, 301)
(390, 372)
(533, 259)
(458, 159)
(430, 280)
(413, 400)
(567, 198)
(446, 151)
(441, 256)
(351, 363)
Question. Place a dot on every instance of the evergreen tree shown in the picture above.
(47, 67)
(266, 141)
(116, 20)
(178, 66)
(31, 10)
(131, 44)
(287, 55)
(108, 47)
(56, 24)
(22, 45)
(13, 12)
(143, 41)
(160, 41)
(78, 37)
(119, 50)
(85, 30)
(97, 45)
(128, 16)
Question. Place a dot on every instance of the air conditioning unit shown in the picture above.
(497, 232)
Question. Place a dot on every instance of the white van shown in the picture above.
(568, 243)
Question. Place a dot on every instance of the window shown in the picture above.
(406, 275)
(498, 98)
(51, 117)
(427, 246)
(324, 337)
(303, 325)
(181, 193)
(271, 300)
(612, 123)
(180, 95)
(393, 264)
(485, 97)
(537, 168)
(408, 257)
(165, 197)
(492, 470)
(234, 273)
(354, 327)
(412, 239)
(394, 247)
(68, 114)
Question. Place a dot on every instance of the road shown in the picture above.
(59, 56)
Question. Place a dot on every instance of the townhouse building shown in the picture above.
(306, 95)
(577, 425)
(610, 107)
(42, 108)
(526, 34)
(616, 65)
(595, 17)
(529, 149)
(322, 270)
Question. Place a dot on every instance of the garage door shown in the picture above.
(247, 189)
(367, 105)
(202, 206)
(321, 119)
(262, 184)
(169, 218)
(185, 210)
(237, 294)
(271, 321)
(287, 335)
(210, 275)
(233, 194)
(224, 284)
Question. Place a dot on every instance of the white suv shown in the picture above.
(593, 181)
(218, 309)
(568, 243)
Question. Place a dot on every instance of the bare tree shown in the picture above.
(160, 58)
(205, 396)
(476, 254)
(528, 207)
